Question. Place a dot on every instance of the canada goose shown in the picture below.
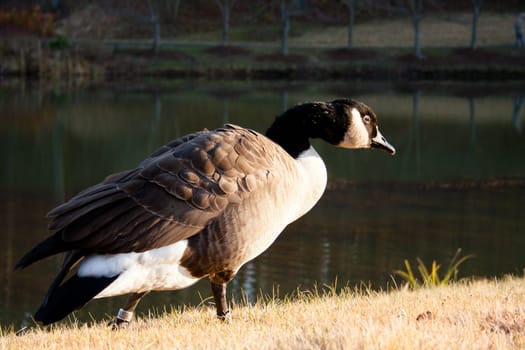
(200, 206)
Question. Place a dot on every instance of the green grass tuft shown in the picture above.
(430, 277)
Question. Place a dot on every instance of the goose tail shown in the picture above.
(48, 247)
(70, 296)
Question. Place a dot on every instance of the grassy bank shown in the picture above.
(383, 50)
(475, 315)
(236, 63)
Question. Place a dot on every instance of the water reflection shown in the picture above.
(516, 113)
(457, 180)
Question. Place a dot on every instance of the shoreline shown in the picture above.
(466, 314)
(107, 63)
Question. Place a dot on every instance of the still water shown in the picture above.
(457, 180)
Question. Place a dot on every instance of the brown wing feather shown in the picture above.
(171, 196)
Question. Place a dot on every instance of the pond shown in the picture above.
(457, 180)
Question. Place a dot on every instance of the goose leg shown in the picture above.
(219, 294)
(218, 288)
(125, 315)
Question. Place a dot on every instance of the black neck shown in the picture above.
(293, 129)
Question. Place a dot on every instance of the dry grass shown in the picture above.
(474, 315)
(452, 30)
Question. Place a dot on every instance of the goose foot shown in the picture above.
(225, 316)
(122, 320)
(24, 331)
(125, 315)
(117, 324)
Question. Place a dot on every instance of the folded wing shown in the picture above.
(170, 196)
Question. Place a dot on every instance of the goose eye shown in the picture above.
(366, 119)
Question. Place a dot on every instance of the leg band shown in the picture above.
(124, 315)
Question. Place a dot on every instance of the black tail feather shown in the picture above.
(50, 246)
(70, 259)
(70, 296)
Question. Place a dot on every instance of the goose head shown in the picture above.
(360, 125)
(343, 123)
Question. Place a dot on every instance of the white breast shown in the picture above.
(315, 177)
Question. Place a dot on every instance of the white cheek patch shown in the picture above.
(357, 136)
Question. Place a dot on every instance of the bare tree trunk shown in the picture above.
(475, 16)
(518, 30)
(156, 35)
(416, 8)
(170, 9)
(417, 41)
(225, 22)
(225, 6)
(350, 4)
(285, 27)
(154, 19)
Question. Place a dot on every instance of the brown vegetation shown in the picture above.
(475, 315)
(32, 21)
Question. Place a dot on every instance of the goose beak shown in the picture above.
(380, 142)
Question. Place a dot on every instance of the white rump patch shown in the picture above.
(156, 269)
